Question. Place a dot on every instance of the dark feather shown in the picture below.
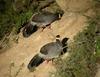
(35, 61)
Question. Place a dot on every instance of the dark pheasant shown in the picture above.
(47, 52)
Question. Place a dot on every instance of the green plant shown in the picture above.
(82, 60)
(98, 46)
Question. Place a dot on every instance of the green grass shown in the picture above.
(97, 18)
(82, 62)
(10, 18)
(14, 13)
(21, 19)
(84, 51)
(98, 46)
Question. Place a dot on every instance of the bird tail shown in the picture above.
(29, 29)
(25, 34)
(35, 61)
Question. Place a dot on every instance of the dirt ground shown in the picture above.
(13, 62)
(98, 71)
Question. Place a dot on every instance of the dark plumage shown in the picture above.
(64, 43)
(44, 18)
(35, 61)
(47, 52)
(29, 29)
(51, 50)
(39, 20)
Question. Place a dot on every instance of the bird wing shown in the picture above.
(44, 18)
(51, 50)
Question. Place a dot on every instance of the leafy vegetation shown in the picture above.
(11, 16)
(84, 51)
(82, 61)
(97, 20)
(98, 46)
(15, 13)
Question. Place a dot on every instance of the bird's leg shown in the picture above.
(52, 60)
(48, 61)
(43, 28)
(49, 26)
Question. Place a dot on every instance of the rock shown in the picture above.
(74, 5)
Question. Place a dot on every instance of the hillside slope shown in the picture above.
(21, 53)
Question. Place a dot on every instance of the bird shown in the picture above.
(44, 19)
(39, 20)
(49, 51)
(29, 29)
